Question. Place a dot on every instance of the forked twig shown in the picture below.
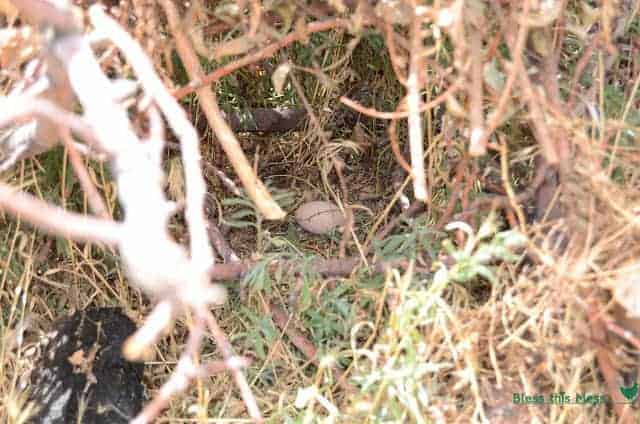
(229, 357)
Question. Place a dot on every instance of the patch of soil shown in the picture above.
(80, 375)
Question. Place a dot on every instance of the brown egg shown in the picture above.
(319, 217)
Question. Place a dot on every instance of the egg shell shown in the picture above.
(319, 217)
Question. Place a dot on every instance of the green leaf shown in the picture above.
(512, 239)
(240, 224)
(463, 272)
(487, 228)
(487, 273)
(243, 213)
(62, 248)
(393, 245)
(235, 201)
(304, 301)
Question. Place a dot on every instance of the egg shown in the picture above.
(319, 217)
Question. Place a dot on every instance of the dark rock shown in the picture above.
(80, 375)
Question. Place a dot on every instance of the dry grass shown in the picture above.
(410, 346)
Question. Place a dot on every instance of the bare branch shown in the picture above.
(57, 221)
(254, 187)
(201, 251)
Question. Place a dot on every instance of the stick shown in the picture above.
(254, 187)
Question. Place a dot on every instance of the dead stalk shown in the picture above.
(478, 142)
(416, 136)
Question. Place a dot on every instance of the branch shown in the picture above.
(403, 114)
(265, 53)
(201, 252)
(56, 221)
(254, 187)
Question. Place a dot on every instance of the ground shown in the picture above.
(515, 278)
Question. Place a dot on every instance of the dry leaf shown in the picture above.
(77, 359)
(234, 47)
(279, 77)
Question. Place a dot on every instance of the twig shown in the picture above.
(577, 73)
(95, 200)
(265, 53)
(254, 187)
(219, 242)
(226, 181)
(348, 212)
(298, 339)
(413, 210)
(238, 376)
(478, 141)
(221, 245)
(441, 98)
(455, 194)
(517, 50)
(543, 135)
(158, 321)
(186, 369)
(622, 332)
(552, 96)
(395, 145)
(504, 200)
(504, 168)
(599, 334)
(415, 119)
(396, 61)
(254, 19)
(537, 118)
